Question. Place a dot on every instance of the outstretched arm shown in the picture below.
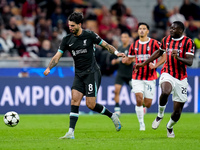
(54, 61)
(111, 49)
(155, 55)
(128, 60)
(160, 62)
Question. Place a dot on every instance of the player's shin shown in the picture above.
(73, 119)
(161, 110)
(74, 114)
(140, 114)
(102, 109)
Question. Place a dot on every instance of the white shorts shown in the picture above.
(147, 88)
(179, 87)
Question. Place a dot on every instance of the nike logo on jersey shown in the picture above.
(71, 44)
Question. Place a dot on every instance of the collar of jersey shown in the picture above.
(79, 35)
(145, 42)
(178, 39)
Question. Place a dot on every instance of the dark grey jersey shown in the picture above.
(82, 49)
(123, 69)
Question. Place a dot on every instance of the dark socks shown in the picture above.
(117, 105)
(103, 110)
(158, 118)
(74, 116)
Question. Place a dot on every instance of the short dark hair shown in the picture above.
(180, 25)
(76, 17)
(143, 23)
(125, 32)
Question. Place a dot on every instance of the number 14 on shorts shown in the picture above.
(149, 87)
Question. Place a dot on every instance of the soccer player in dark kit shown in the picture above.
(80, 43)
(179, 51)
(124, 72)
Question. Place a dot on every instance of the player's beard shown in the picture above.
(141, 36)
(75, 31)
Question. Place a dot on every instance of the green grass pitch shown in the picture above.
(97, 132)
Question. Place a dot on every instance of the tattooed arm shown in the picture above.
(107, 46)
(54, 61)
(111, 49)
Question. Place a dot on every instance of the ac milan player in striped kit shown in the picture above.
(179, 54)
(144, 81)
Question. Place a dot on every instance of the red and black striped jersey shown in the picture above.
(183, 45)
(142, 51)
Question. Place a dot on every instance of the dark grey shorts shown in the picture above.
(121, 80)
(88, 84)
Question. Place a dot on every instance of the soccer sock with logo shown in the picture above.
(117, 107)
(140, 114)
(73, 117)
(161, 110)
(102, 109)
(171, 123)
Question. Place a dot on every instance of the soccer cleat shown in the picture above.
(156, 122)
(142, 127)
(116, 122)
(68, 135)
(118, 113)
(170, 133)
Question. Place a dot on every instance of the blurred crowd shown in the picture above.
(188, 13)
(35, 28)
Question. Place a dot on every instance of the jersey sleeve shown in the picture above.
(96, 38)
(131, 52)
(63, 45)
(162, 45)
(190, 47)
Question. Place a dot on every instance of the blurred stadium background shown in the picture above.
(31, 31)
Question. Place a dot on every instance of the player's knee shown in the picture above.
(74, 102)
(166, 93)
(148, 105)
(116, 92)
(139, 99)
(139, 102)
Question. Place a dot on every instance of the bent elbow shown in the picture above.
(190, 64)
